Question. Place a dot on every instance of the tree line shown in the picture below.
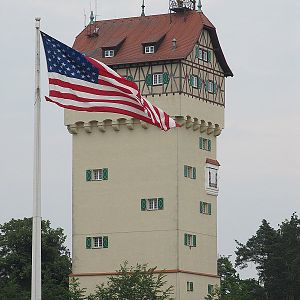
(274, 252)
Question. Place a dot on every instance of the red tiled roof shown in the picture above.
(186, 28)
(212, 162)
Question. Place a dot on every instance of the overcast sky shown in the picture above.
(258, 150)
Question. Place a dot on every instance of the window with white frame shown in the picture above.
(152, 204)
(205, 208)
(210, 86)
(190, 240)
(189, 172)
(97, 174)
(98, 242)
(157, 79)
(109, 53)
(204, 55)
(189, 286)
(194, 81)
(211, 177)
(149, 49)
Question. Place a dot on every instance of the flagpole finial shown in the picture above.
(37, 22)
(199, 6)
(143, 9)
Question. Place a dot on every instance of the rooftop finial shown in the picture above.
(92, 18)
(143, 9)
(199, 6)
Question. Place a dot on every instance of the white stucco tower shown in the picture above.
(141, 194)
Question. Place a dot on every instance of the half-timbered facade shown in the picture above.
(139, 194)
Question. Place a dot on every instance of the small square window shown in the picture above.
(97, 242)
(97, 174)
(205, 208)
(189, 286)
(149, 49)
(152, 204)
(109, 53)
(157, 79)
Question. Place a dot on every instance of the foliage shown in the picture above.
(134, 283)
(15, 261)
(276, 254)
(75, 292)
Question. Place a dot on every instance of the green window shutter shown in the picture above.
(88, 175)
(194, 240)
(105, 242)
(88, 243)
(206, 84)
(209, 56)
(105, 174)
(199, 83)
(209, 145)
(201, 207)
(192, 286)
(149, 79)
(197, 51)
(215, 87)
(210, 289)
(185, 239)
(143, 204)
(194, 173)
(129, 78)
(166, 78)
(201, 143)
(160, 203)
(185, 171)
(191, 80)
(209, 208)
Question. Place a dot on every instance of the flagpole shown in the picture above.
(36, 283)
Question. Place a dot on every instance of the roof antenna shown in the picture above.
(199, 6)
(143, 9)
(96, 10)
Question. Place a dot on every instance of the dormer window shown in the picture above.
(109, 53)
(149, 49)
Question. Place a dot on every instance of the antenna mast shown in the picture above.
(143, 9)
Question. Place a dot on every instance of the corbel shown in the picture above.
(188, 123)
(72, 129)
(203, 126)
(210, 128)
(196, 124)
(180, 120)
(217, 130)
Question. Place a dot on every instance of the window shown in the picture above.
(211, 177)
(152, 204)
(157, 79)
(97, 174)
(194, 81)
(205, 208)
(149, 49)
(190, 172)
(189, 286)
(190, 240)
(204, 144)
(203, 54)
(210, 289)
(96, 242)
(211, 86)
(109, 53)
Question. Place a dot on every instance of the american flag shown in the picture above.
(83, 83)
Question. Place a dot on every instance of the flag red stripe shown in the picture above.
(90, 90)
(69, 96)
(102, 109)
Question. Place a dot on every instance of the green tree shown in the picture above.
(75, 291)
(276, 254)
(232, 287)
(15, 261)
(134, 283)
